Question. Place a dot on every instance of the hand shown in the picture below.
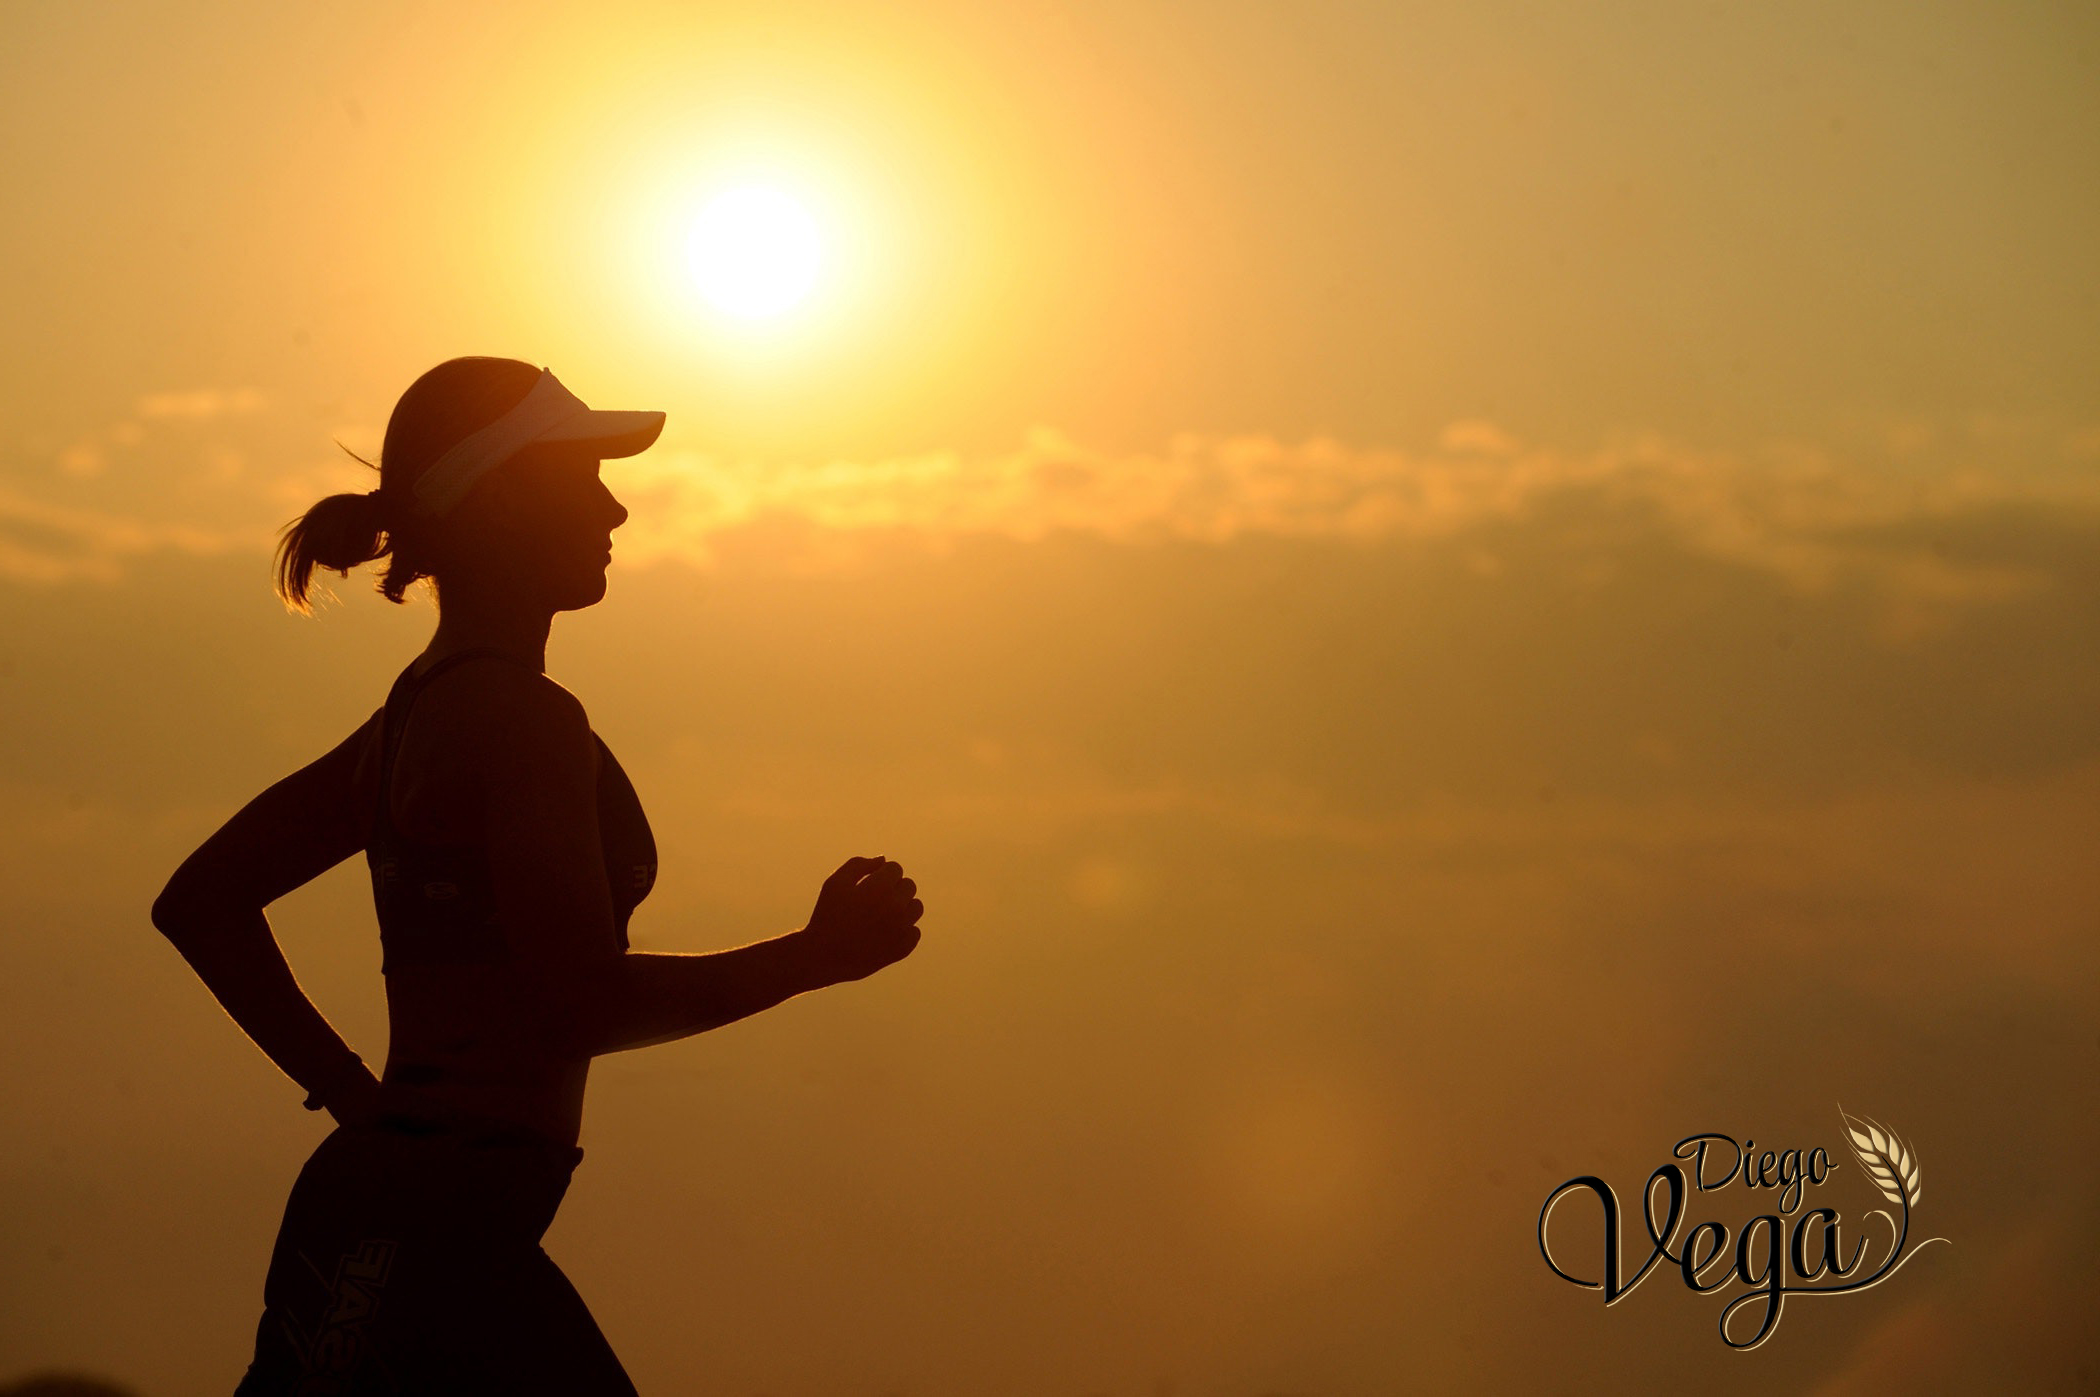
(865, 918)
(358, 1102)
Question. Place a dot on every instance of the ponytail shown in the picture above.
(441, 409)
(339, 533)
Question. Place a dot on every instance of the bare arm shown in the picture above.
(547, 870)
(212, 910)
(865, 918)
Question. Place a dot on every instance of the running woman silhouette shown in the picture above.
(507, 850)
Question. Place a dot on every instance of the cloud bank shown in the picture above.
(187, 473)
(1811, 518)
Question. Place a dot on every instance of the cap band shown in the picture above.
(453, 474)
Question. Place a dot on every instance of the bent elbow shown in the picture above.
(182, 910)
(171, 912)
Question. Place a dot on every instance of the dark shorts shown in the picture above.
(409, 1262)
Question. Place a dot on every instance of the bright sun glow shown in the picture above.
(755, 252)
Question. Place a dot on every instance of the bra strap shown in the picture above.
(394, 719)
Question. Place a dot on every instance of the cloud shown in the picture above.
(200, 404)
(1806, 516)
(42, 542)
(1814, 517)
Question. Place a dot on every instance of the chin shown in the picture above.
(586, 592)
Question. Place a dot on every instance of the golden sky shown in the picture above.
(1439, 596)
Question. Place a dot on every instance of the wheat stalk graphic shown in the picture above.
(1891, 1164)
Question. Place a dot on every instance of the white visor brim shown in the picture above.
(549, 413)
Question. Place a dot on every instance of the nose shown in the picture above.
(617, 512)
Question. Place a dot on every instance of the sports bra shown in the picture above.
(435, 903)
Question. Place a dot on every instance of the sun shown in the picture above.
(755, 252)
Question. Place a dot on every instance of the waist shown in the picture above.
(501, 1100)
(441, 1123)
(479, 1132)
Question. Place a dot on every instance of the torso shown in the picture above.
(461, 1047)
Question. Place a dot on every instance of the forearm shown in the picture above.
(653, 997)
(238, 959)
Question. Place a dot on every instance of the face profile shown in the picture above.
(539, 528)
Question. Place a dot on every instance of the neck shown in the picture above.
(469, 621)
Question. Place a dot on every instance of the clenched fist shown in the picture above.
(866, 917)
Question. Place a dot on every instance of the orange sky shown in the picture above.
(1438, 596)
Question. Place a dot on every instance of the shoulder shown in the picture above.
(489, 682)
(505, 718)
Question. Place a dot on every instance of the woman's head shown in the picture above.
(533, 520)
